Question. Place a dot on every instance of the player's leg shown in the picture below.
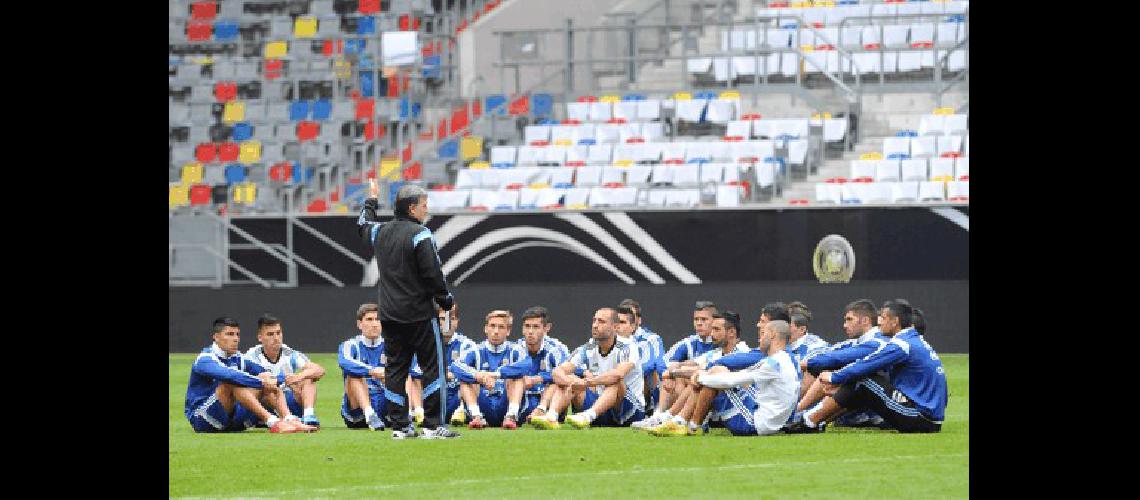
(609, 397)
(248, 399)
(429, 350)
(415, 390)
(357, 395)
(469, 393)
(812, 395)
(544, 401)
(515, 391)
(876, 393)
(398, 349)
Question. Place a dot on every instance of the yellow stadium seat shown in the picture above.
(826, 116)
(824, 3)
(871, 156)
(305, 27)
(943, 111)
(730, 94)
(563, 142)
(250, 152)
(245, 193)
(479, 165)
(578, 206)
(943, 178)
(339, 208)
(682, 96)
(539, 185)
(203, 60)
(807, 48)
(470, 147)
(343, 68)
(390, 168)
(179, 196)
(799, 5)
(234, 112)
(192, 173)
(623, 163)
(610, 98)
(276, 50)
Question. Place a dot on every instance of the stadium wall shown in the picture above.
(574, 262)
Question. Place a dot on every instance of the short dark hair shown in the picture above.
(407, 196)
(919, 321)
(900, 309)
(800, 319)
(775, 311)
(632, 304)
(222, 322)
(613, 314)
(628, 311)
(267, 320)
(536, 312)
(799, 307)
(705, 304)
(366, 308)
(731, 320)
(862, 307)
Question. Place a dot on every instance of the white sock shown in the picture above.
(590, 414)
(679, 419)
(693, 426)
(540, 408)
(369, 413)
(419, 412)
(807, 419)
(663, 416)
(308, 413)
(272, 421)
(474, 412)
(513, 410)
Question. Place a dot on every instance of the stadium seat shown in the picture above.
(228, 152)
(203, 11)
(206, 152)
(298, 110)
(225, 91)
(250, 152)
(242, 131)
(470, 147)
(276, 50)
(542, 104)
(200, 194)
(368, 7)
(322, 109)
(199, 31)
(192, 173)
(496, 100)
(235, 173)
(304, 27)
(179, 196)
(234, 112)
(226, 31)
(366, 25)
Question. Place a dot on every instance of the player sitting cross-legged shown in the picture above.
(481, 386)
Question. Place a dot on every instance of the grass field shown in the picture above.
(600, 463)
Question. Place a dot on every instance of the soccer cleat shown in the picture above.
(578, 421)
(376, 423)
(801, 428)
(440, 432)
(645, 424)
(545, 424)
(670, 429)
(311, 420)
(405, 433)
(477, 423)
(459, 416)
(537, 413)
(510, 424)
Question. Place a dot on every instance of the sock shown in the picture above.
(309, 413)
(474, 412)
(807, 419)
(272, 421)
(513, 410)
(540, 408)
(590, 414)
(419, 412)
(679, 420)
(663, 416)
(693, 426)
(369, 413)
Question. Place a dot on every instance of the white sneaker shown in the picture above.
(405, 433)
(578, 421)
(646, 423)
(440, 432)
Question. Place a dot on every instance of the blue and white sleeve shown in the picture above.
(210, 366)
(352, 367)
(890, 353)
(463, 369)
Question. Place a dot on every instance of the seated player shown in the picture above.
(911, 396)
(756, 400)
(226, 389)
(528, 377)
(863, 338)
(481, 387)
(804, 345)
(724, 330)
(301, 374)
(601, 376)
(652, 366)
(455, 347)
(685, 349)
(362, 361)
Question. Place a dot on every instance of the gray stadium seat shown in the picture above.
(179, 114)
(224, 69)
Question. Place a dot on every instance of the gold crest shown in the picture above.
(834, 260)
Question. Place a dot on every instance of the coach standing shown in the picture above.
(410, 278)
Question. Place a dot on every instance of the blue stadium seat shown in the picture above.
(352, 189)
(235, 173)
(530, 206)
(546, 121)
(298, 110)
(242, 131)
(898, 156)
(495, 100)
(404, 108)
(366, 62)
(906, 133)
(541, 104)
(633, 97)
(366, 25)
(789, 26)
(449, 149)
(322, 108)
(302, 175)
(587, 142)
(563, 185)
(366, 86)
(705, 95)
(431, 67)
(699, 160)
(225, 31)
(355, 46)
(504, 207)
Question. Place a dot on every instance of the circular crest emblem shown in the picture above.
(834, 260)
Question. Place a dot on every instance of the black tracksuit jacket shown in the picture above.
(411, 275)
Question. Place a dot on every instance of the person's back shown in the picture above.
(404, 296)
(776, 396)
(921, 375)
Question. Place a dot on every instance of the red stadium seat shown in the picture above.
(272, 68)
(443, 187)
(203, 11)
(617, 121)
(514, 186)
(733, 138)
(199, 31)
(369, 6)
(317, 206)
(750, 116)
(225, 91)
(228, 151)
(520, 106)
(413, 172)
(571, 122)
(365, 108)
(635, 140)
(576, 163)
(872, 46)
(964, 178)
(613, 184)
(206, 152)
(952, 154)
(407, 154)
(674, 161)
(539, 143)
(200, 194)
(587, 98)
(307, 130)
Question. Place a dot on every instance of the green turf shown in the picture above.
(600, 463)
